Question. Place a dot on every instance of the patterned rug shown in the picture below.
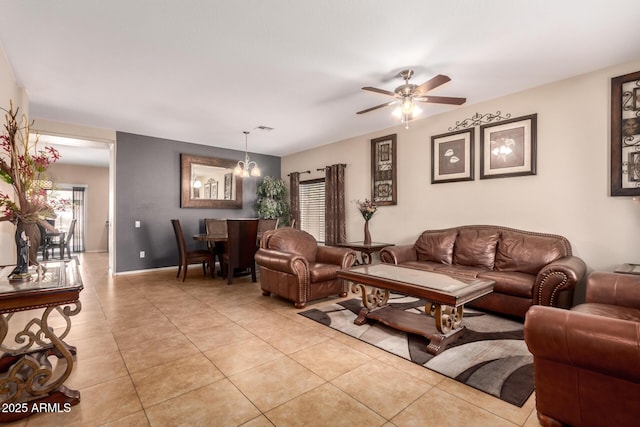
(491, 356)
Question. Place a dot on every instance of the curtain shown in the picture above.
(335, 228)
(294, 198)
(79, 215)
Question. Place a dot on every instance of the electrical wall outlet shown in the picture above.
(141, 254)
(137, 224)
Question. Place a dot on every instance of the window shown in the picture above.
(312, 208)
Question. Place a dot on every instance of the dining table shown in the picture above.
(216, 237)
(212, 238)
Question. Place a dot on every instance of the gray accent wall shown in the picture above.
(148, 190)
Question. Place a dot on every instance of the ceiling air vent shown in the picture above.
(264, 128)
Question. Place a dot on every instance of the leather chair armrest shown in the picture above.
(561, 275)
(338, 256)
(596, 343)
(281, 261)
(613, 288)
(398, 254)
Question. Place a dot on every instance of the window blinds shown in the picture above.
(312, 208)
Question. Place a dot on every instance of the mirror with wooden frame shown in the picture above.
(209, 182)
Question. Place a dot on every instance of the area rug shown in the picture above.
(491, 356)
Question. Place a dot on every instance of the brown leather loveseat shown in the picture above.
(587, 359)
(529, 268)
(295, 267)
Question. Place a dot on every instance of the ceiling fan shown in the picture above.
(407, 94)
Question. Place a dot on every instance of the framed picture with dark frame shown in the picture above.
(508, 148)
(452, 156)
(383, 170)
(625, 135)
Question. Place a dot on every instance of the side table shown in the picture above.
(29, 382)
(365, 249)
(628, 269)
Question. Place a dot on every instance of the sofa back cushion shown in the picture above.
(476, 247)
(436, 246)
(293, 241)
(528, 253)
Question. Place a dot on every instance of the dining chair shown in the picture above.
(218, 248)
(186, 257)
(266, 224)
(241, 247)
(61, 241)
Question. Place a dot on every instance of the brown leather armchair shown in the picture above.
(293, 266)
(587, 359)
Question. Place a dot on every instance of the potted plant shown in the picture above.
(272, 202)
(23, 166)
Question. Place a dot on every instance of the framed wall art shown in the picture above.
(383, 170)
(508, 148)
(452, 156)
(625, 135)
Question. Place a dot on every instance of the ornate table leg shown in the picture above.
(448, 322)
(370, 300)
(27, 380)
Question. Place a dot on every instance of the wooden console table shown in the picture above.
(29, 382)
(365, 249)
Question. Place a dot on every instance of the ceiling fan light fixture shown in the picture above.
(407, 105)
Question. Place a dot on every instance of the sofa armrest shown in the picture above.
(398, 254)
(337, 256)
(282, 261)
(561, 275)
(596, 343)
(613, 288)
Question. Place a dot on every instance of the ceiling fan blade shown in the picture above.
(433, 83)
(380, 91)
(442, 100)
(386, 104)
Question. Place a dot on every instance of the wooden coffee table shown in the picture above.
(445, 295)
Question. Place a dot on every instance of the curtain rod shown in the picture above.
(325, 168)
(299, 172)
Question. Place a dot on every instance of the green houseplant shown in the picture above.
(272, 202)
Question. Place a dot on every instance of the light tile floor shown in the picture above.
(154, 351)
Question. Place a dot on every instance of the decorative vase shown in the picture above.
(367, 235)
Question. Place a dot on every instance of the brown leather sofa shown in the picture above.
(587, 359)
(529, 268)
(295, 267)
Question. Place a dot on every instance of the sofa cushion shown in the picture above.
(527, 253)
(476, 248)
(511, 283)
(436, 246)
(422, 265)
(609, 310)
(294, 241)
(320, 272)
(459, 270)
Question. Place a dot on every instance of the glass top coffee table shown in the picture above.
(445, 295)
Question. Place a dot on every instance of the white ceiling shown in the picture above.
(203, 71)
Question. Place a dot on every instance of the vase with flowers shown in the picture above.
(23, 165)
(367, 209)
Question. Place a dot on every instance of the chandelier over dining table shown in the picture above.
(246, 167)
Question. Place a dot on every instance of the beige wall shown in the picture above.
(9, 90)
(568, 196)
(96, 180)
